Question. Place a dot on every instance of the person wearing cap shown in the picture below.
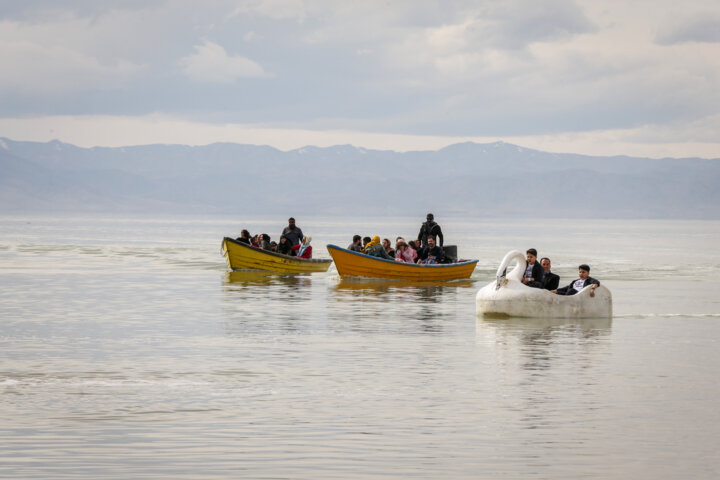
(403, 253)
(304, 249)
(533, 270)
(292, 232)
(430, 229)
(584, 281)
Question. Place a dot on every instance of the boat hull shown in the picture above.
(354, 264)
(240, 256)
(518, 300)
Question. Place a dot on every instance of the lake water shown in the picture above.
(129, 351)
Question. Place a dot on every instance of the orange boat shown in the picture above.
(349, 263)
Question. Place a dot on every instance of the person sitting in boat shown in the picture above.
(375, 249)
(366, 242)
(403, 253)
(429, 229)
(264, 241)
(292, 232)
(356, 245)
(431, 249)
(430, 260)
(533, 270)
(388, 249)
(255, 241)
(549, 281)
(284, 246)
(273, 246)
(581, 283)
(244, 237)
(304, 249)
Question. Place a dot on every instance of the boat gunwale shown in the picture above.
(278, 255)
(402, 264)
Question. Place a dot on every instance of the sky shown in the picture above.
(610, 77)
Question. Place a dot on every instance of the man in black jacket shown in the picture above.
(585, 280)
(533, 270)
(430, 229)
(549, 281)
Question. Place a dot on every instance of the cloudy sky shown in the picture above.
(638, 77)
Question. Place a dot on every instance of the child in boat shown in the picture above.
(581, 283)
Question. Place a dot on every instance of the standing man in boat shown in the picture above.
(292, 232)
(430, 229)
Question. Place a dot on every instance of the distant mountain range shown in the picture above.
(465, 179)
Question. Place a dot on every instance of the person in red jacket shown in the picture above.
(304, 249)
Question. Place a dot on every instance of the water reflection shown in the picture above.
(375, 304)
(248, 278)
(553, 359)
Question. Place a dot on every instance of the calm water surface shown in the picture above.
(129, 351)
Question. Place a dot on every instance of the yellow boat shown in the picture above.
(241, 256)
(349, 263)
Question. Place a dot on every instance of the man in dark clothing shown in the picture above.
(575, 286)
(431, 249)
(430, 229)
(356, 245)
(533, 270)
(292, 232)
(549, 281)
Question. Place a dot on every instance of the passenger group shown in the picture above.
(424, 250)
(292, 241)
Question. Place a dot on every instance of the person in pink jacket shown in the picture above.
(403, 253)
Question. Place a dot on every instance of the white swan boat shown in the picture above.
(508, 296)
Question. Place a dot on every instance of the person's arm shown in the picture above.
(553, 283)
(440, 235)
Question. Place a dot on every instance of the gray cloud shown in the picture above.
(704, 29)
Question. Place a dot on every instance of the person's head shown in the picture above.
(273, 245)
(412, 244)
(531, 255)
(366, 240)
(260, 238)
(291, 221)
(545, 262)
(583, 271)
(386, 243)
(399, 239)
(401, 245)
(283, 239)
(430, 217)
(244, 234)
(266, 237)
(357, 239)
(306, 240)
(431, 241)
(255, 238)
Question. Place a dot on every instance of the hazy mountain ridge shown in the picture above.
(463, 179)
